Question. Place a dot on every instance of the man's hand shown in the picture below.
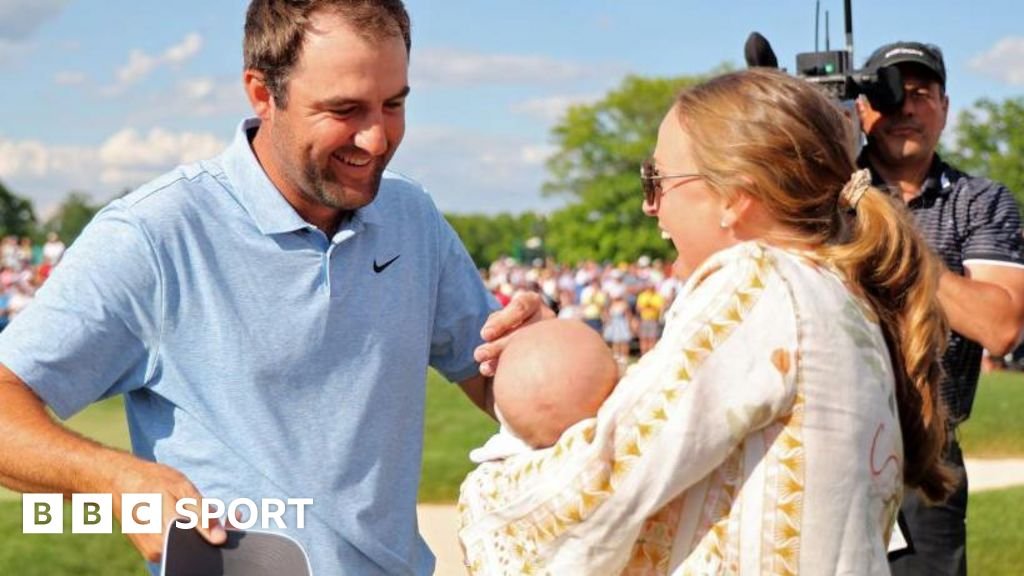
(140, 476)
(525, 308)
(39, 455)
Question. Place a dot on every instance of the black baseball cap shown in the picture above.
(927, 55)
(246, 553)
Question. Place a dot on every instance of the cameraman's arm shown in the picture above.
(39, 455)
(986, 306)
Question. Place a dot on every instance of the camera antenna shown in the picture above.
(848, 13)
(817, 25)
(827, 32)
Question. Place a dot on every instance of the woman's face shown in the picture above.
(688, 211)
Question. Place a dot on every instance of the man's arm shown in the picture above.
(986, 305)
(479, 390)
(39, 455)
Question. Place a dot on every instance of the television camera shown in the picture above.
(832, 70)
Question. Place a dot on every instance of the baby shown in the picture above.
(551, 375)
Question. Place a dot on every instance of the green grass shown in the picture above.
(454, 426)
(995, 532)
(104, 422)
(63, 554)
(996, 429)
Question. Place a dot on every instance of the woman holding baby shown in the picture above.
(793, 395)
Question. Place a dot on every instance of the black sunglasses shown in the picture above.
(650, 180)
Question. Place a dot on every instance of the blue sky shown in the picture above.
(101, 95)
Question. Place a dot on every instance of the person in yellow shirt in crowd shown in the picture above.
(650, 307)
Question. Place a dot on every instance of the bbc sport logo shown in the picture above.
(143, 513)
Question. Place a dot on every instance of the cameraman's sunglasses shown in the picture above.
(650, 179)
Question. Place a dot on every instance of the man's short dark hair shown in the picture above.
(276, 29)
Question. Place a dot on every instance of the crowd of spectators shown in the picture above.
(24, 266)
(624, 302)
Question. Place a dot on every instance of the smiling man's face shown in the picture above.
(344, 117)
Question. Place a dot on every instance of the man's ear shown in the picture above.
(260, 98)
(945, 108)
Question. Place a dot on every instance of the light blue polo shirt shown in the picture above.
(258, 356)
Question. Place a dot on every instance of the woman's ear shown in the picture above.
(736, 208)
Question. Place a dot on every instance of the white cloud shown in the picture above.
(469, 172)
(1004, 61)
(196, 88)
(185, 50)
(46, 173)
(33, 159)
(221, 99)
(447, 67)
(159, 149)
(551, 109)
(536, 154)
(465, 171)
(19, 19)
(206, 97)
(140, 64)
(69, 78)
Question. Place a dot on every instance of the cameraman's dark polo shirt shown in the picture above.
(966, 220)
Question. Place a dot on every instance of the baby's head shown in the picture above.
(551, 375)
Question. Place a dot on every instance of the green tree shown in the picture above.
(17, 217)
(600, 149)
(71, 217)
(989, 141)
(488, 238)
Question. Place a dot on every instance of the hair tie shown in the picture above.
(855, 188)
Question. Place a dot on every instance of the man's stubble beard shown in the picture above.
(318, 181)
(894, 152)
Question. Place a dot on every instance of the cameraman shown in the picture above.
(974, 226)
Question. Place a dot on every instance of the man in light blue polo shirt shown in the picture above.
(269, 314)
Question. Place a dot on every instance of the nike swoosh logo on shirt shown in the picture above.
(378, 268)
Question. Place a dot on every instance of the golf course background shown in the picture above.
(454, 426)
